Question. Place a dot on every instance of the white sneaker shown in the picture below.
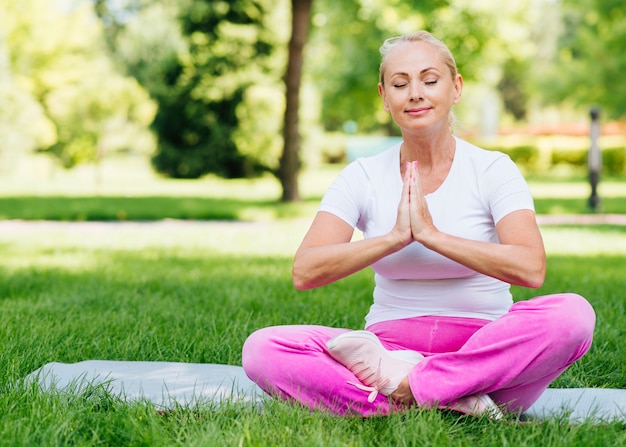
(379, 370)
(478, 405)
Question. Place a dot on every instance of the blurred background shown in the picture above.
(119, 94)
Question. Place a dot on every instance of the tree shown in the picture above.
(56, 56)
(198, 59)
(24, 126)
(589, 66)
(290, 162)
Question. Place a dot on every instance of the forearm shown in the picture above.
(322, 265)
(514, 264)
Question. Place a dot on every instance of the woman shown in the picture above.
(448, 227)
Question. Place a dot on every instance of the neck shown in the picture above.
(430, 151)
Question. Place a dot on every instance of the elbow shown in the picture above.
(299, 283)
(530, 274)
(535, 283)
(305, 277)
(300, 279)
(535, 278)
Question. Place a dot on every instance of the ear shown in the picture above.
(381, 92)
(458, 89)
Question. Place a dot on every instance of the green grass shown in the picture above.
(127, 189)
(193, 291)
(100, 208)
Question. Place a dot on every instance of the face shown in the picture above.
(418, 89)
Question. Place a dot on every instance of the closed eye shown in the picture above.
(431, 82)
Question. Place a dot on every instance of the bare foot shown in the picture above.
(403, 394)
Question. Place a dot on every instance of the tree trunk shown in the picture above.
(290, 159)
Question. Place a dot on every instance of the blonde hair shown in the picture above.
(418, 36)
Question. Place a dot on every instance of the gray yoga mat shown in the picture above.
(169, 385)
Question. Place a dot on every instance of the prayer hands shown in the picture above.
(414, 221)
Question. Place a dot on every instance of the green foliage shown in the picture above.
(576, 158)
(195, 137)
(539, 155)
(343, 62)
(590, 63)
(512, 88)
(82, 89)
(614, 160)
(195, 60)
(24, 126)
(526, 157)
(56, 57)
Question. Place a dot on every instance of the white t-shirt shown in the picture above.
(481, 188)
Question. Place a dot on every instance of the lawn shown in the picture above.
(193, 288)
(192, 292)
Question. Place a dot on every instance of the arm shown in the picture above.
(518, 259)
(327, 254)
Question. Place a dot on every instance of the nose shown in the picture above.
(415, 91)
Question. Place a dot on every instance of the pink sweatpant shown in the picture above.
(513, 359)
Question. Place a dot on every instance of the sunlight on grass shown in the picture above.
(128, 189)
(68, 260)
(64, 244)
(584, 241)
(133, 176)
(22, 240)
(606, 188)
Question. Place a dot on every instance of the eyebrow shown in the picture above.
(425, 70)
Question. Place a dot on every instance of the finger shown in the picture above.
(415, 183)
(416, 178)
(406, 184)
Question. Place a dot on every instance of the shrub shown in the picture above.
(572, 157)
(614, 160)
(524, 156)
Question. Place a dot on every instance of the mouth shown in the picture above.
(417, 111)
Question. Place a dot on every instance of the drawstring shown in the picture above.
(373, 390)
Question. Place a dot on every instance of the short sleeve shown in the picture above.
(505, 188)
(346, 196)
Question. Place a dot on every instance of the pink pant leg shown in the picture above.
(513, 358)
(292, 362)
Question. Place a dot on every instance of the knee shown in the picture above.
(578, 310)
(254, 350)
(574, 316)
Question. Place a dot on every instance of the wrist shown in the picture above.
(427, 237)
(397, 241)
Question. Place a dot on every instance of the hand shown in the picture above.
(420, 218)
(402, 228)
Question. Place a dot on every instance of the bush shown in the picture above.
(562, 154)
(614, 160)
(524, 156)
(572, 157)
